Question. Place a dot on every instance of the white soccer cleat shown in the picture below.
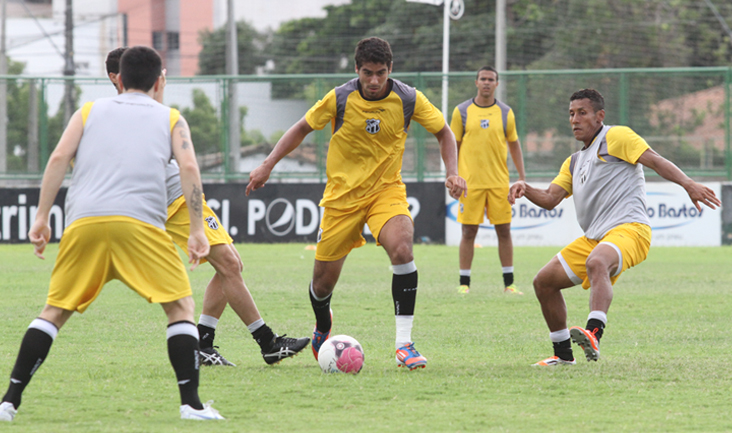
(207, 413)
(7, 411)
(552, 361)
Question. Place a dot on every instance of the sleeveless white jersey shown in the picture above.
(120, 165)
(607, 190)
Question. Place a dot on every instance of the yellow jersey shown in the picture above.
(483, 133)
(367, 146)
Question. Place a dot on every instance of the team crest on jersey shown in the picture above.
(584, 171)
(462, 208)
(212, 223)
(484, 123)
(373, 126)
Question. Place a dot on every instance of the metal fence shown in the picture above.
(683, 113)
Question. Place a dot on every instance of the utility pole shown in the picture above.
(69, 63)
(501, 45)
(232, 69)
(3, 94)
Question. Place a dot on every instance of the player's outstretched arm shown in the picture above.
(448, 149)
(289, 142)
(546, 198)
(190, 180)
(669, 171)
(53, 176)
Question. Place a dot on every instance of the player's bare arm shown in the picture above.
(289, 142)
(669, 171)
(53, 176)
(546, 198)
(455, 184)
(190, 180)
(517, 155)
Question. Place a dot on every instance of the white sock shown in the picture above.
(209, 321)
(464, 272)
(559, 336)
(599, 315)
(403, 330)
(255, 325)
(507, 269)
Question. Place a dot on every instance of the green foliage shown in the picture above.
(664, 365)
(211, 59)
(204, 122)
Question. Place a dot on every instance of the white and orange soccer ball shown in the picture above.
(341, 354)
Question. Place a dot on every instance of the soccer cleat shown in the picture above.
(210, 356)
(7, 411)
(207, 413)
(464, 289)
(552, 361)
(587, 341)
(320, 337)
(512, 289)
(407, 356)
(283, 347)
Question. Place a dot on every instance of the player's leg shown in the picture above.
(471, 213)
(467, 251)
(182, 337)
(548, 284)
(228, 280)
(499, 214)
(396, 238)
(33, 351)
(340, 232)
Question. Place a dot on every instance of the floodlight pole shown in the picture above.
(3, 94)
(500, 44)
(445, 54)
(232, 69)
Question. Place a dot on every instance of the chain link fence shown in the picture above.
(683, 113)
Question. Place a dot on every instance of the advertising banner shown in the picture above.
(674, 220)
(279, 212)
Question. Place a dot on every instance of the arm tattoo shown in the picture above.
(186, 140)
(197, 201)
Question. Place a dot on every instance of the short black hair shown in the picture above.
(112, 61)
(140, 67)
(486, 68)
(596, 99)
(373, 50)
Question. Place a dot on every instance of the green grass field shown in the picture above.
(665, 362)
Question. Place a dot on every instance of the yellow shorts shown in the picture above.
(95, 250)
(341, 231)
(493, 200)
(631, 241)
(178, 225)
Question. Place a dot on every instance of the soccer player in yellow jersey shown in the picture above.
(116, 212)
(485, 130)
(227, 285)
(370, 116)
(607, 181)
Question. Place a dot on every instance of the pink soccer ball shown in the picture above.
(341, 354)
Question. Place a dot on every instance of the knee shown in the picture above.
(402, 254)
(470, 232)
(541, 286)
(596, 266)
(226, 262)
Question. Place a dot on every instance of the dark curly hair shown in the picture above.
(596, 99)
(373, 50)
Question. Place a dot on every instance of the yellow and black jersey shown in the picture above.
(366, 149)
(483, 133)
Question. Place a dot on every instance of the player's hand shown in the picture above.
(39, 235)
(517, 190)
(257, 178)
(701, 193)
(198, 248)
(457, 186)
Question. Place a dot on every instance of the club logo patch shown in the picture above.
(484, 123)
(373, 126)
(320, 235)
(212, 223)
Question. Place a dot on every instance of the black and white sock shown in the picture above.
(262, 334)
(183, 354)
(404, 294)
(465, 277)
(507, 275)
(207, 331)
(321, 308)
(562, 344)
(33, 351)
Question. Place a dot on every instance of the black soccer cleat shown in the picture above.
(283, 347)
(210, 356)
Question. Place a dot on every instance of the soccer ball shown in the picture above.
(341, 354)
